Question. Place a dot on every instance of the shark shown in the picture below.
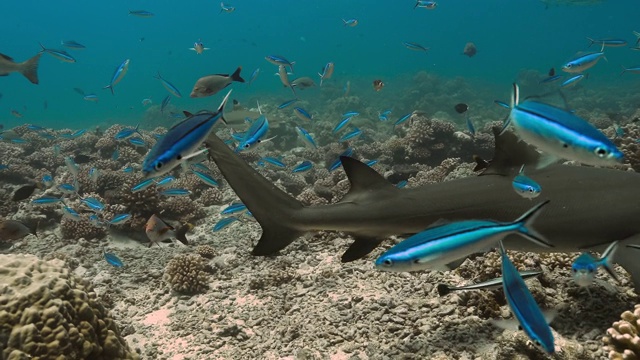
(589, 207)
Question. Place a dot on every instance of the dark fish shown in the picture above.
(28, 69)
(82, 159)
(552, 72)
(470, 49)
(211, 84)
(378, 85)
(461, 108)
(24, 192)
(13, 230)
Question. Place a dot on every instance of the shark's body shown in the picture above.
(589, 208)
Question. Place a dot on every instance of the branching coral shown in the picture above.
(186, 274)
(622, 340)
(48, 313)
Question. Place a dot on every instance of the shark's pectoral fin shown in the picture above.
(510, 154)
(455, 264)
(360, 248)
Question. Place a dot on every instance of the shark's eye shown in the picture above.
(158, 165)
(601, 152)
(387, 262)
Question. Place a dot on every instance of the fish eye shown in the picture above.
(387, 262)
(158, 165)
(569, 65)
(537, 343)
(531, 190)
(179, 157)
(246, 146)
(574, 270)
(601, 152)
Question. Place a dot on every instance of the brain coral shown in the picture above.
(48, 313)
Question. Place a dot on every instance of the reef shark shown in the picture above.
(589, 207)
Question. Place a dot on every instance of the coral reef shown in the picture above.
(186, 274)
(623, 339)
(206, 251)
(48, 313)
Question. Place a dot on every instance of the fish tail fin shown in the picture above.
(181, 233)
(110, 87)
(591, 41)
(607, 260)
(526, 229)
(276, 211)
(291, 65)
(236, 75)
(321, 79)
(515, 95)
(42, 48)
(158, 76)
(624, 70)
(30, 68)
(443, 290)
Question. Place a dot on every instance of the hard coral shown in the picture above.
(186, 274)
(48, 313)
(622, 340)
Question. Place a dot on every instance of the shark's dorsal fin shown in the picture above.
(363, 178)
(510, 154)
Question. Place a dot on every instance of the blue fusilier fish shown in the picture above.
(415, 47)
(633, 70)
(302, 114)
(607, 42)
(165, 102)
(181, 142)
(401, 184)
(47, 180)
(350, 22)
(280, 60)
(112, 259)
(286, 103)
(444, 289)
(502, 104)
(572, 81)
(223, 223)
(141, 13)
(303, 167)
(273, 161)
(59, 54)
(560, 133)
(137, 141)
(585, 267)
(370, 163)
(67, 188)
(548, 80)
(339, 126)
(254, 136)
(169, 86)
(93, 203)
(226, 8)
(119, 219)
(167, 180)
(524, 307)
(403, 119)
(118, 74)
(525, 186)
(425, 4)
(582, 62)
(207, 179)
(175, 192)
(470, 127)
(234, 209)
(253, 77)
(384, 116)
(144, 184)
(126, 132)
(70, 213)
(44, 200)
(327, 72)
(306, 138)
(441, 246)
(351, 134)
(71, 44)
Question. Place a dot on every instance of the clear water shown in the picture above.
(511, 36)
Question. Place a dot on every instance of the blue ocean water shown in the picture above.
(511, 36)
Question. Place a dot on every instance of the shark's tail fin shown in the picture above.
(274, 209)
